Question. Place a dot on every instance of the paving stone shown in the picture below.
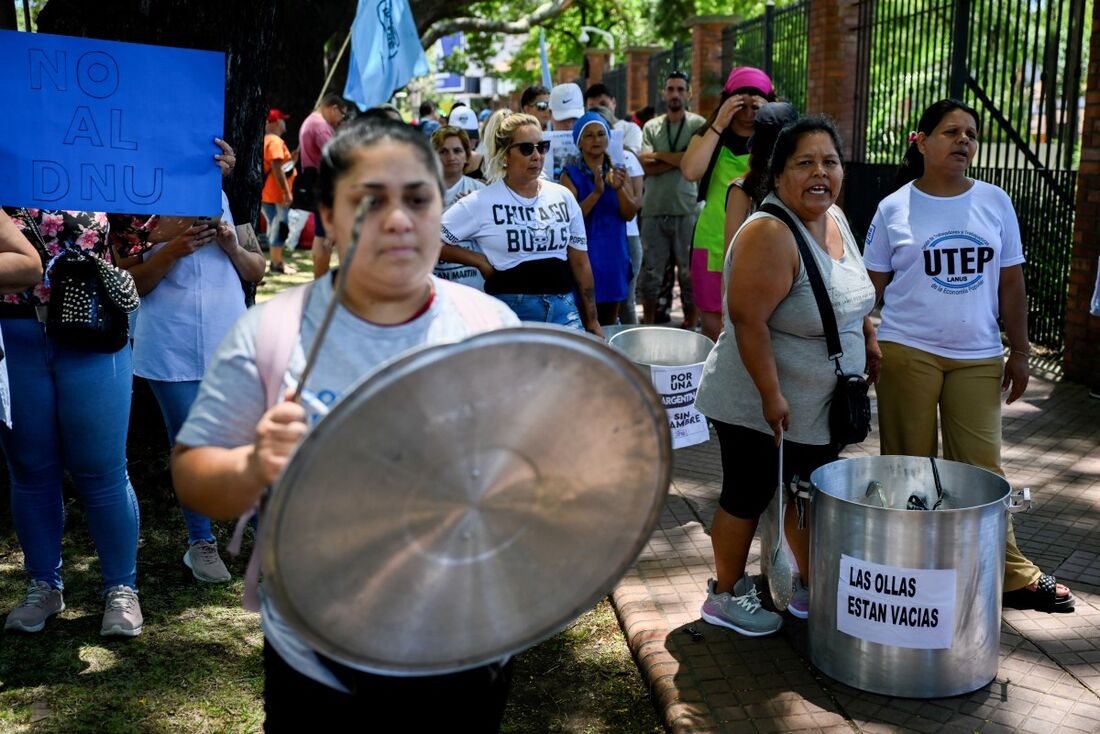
(1049, 675)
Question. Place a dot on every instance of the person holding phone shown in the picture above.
(717, 155)
(190, 287)
(606, 196)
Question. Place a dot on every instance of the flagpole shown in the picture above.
(545, 62)
(332, 70)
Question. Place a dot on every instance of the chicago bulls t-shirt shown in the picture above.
(512, 229)
(946, 253)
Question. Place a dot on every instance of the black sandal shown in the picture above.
(1044, 598)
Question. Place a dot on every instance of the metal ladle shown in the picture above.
(780, 576)
(338, 293)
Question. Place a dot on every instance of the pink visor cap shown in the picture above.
(742, 77)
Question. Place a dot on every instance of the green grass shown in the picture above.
(197, 666)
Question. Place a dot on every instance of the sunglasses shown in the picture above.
(527, 149)
(677, 74)
(542, 106)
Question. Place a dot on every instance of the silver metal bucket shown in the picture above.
(673, 359)
(904, 602)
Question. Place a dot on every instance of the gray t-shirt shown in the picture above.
(807, 378)
(669, 193)
(231, 398)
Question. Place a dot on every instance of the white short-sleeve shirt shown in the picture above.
(511, 229)
(946, 254)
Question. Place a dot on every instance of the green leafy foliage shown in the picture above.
(631, 22)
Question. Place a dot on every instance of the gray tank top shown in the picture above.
(806, 375)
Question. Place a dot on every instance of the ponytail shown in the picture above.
(912, 163)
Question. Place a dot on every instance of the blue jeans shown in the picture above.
(175, 400)
(544, 309)
(70, 410)
(275, 215)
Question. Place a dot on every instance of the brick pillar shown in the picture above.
(599, 60)
(637, 79)
(568, 73)
(831, 63)
(1081, 358)
(707, 74)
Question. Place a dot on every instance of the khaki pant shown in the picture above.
(913, 386)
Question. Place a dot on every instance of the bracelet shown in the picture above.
(1021, 353)
(716, 130)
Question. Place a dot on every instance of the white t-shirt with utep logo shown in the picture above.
(946, 253)
(511, 229)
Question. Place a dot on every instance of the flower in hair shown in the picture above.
(912, 137)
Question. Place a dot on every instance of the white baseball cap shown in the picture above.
(463, 118)
(566, 102)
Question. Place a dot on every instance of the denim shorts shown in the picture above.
(551, 308)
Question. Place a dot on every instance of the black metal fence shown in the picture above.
(677, 58)
(615, 80)
(775, 42)
(1019, 63)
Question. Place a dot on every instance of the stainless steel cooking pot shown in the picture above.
(466, 501)
(907, 602)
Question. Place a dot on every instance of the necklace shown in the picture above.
(672, 142)
(533, 225)
(519, 200)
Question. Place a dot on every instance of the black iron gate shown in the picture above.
(615, 81)
(775, 42)
(1019, 63)
(677, 58)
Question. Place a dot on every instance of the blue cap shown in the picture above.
(484, 114)
(589, 118)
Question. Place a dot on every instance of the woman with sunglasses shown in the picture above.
(534, 250)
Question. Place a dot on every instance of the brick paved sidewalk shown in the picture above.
(1049, 676)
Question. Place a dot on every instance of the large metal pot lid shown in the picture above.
(467, 501)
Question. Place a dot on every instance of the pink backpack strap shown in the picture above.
(467, 302)
(280, 324)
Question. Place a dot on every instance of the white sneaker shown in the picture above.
(205, 563)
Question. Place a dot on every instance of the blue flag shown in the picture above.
(545, 63)
(385, 52)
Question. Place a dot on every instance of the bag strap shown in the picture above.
(280, 324)
(817, 283)
(38, 241)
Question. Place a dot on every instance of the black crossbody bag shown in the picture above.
(850, 409)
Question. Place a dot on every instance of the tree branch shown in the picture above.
(547, 11)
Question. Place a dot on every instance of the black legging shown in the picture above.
(470, 701)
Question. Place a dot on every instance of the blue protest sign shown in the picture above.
(114, 127)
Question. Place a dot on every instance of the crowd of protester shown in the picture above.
(580, 244)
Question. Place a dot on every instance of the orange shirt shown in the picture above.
(274, 150)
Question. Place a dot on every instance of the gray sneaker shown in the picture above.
(122, 615)
(799, 605)
(205, 563)
(740, 611)
(42, 602)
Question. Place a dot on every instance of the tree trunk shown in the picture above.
(245, 30)
(8, 21)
